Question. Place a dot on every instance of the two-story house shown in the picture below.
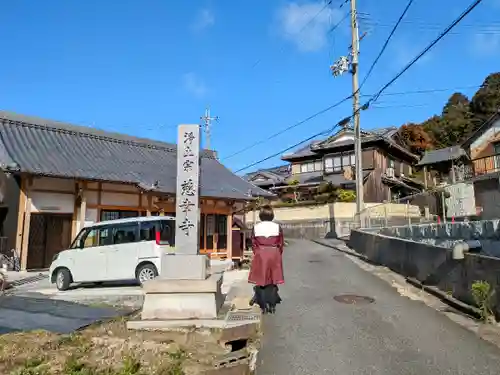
(474, 165)
(387, 165)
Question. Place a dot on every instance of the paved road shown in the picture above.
(312, 334)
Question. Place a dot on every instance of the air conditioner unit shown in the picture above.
(389, 172)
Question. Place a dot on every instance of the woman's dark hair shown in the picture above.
(266, 213)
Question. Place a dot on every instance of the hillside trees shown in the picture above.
(459, 119)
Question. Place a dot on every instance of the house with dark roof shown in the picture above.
(387, 165)
(444, 166)
(57, 177)
(475, 162)
(269, 178)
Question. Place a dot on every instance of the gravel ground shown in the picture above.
(313, 334)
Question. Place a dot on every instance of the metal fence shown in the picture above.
(446, 203)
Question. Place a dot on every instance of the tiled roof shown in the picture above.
(273, 175)
(51, 148)
(302, 152)
(443, 154)
(385, 134)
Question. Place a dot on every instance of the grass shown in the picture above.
(107, 349)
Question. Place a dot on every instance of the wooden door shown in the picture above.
(49, 234)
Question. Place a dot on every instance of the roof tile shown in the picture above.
(57, 149)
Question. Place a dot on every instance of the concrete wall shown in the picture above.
(487, 232)
(430, 264)
(333, 220)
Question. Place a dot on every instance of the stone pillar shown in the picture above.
(185, 289)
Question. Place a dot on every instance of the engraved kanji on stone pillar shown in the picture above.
(188, 190)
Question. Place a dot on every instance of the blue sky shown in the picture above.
(142, 67)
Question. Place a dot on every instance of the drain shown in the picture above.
(237, 316)
(352, 299)
(315, 261)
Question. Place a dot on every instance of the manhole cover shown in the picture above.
(352, 299)
(236, 316)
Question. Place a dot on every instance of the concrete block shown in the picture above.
(211, 284)
(184, 267)
(181, 306)
(168, 325)
(239, 369)
(237, 332)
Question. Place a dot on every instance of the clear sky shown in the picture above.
(142, 67)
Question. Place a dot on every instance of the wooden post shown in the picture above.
(83, 207)
(425, 177)
(244, 237)
(150, 204)
(229, 246)
(20, 216)
(26, 235)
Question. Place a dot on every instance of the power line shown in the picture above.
(289, 128)
(289, 148)
(469, 9)
(427, 91)
(384, 46)
(334, 27)
(379, 93)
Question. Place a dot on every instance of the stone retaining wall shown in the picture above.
(430, 264)
(487, 232)
(314, 229)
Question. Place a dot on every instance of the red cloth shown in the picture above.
(267, 263)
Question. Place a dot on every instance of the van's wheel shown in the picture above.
(146, 272)
(63, 279)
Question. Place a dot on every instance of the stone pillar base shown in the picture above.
(184, 267)
(182, 299)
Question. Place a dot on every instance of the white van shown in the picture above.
(114, 250)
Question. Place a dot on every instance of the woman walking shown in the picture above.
(267, 264)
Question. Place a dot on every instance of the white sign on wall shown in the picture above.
(462, 201)
(52, 202)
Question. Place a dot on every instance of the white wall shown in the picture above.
(52, 202)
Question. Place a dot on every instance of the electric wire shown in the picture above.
(387, 85)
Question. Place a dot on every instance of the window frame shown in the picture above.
(335, 163)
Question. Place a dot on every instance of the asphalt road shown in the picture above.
(312, 333)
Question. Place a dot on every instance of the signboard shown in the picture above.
(188, 195)
(462, 201)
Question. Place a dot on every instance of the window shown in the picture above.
(338, 162)
(167, 232)
(113, 215)
(87, 237)
(147, 231)
(353, 159)
(390, 163)
(496, 148)
(346, 160)
(329, 165)
(311, 166)
(124, 233)
(105, 236)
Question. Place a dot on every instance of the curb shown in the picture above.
(451, 301)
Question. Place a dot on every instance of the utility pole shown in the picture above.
(355, 105)
(207, 123)
(338, 68)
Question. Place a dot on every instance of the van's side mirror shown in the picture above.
(81, 244)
